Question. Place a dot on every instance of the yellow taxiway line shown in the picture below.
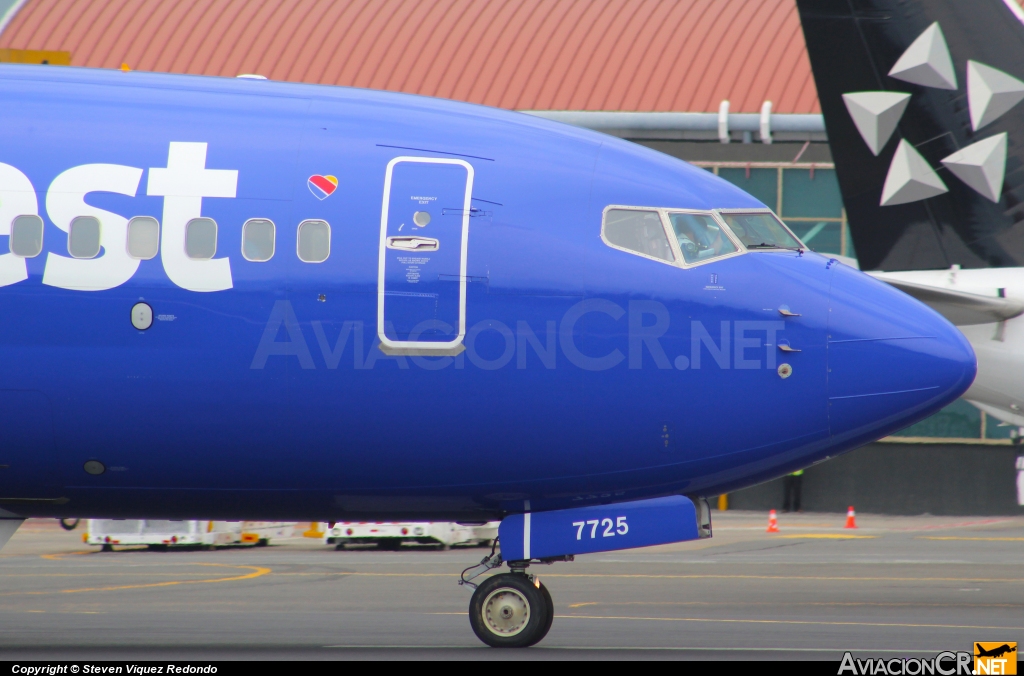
(257, 571)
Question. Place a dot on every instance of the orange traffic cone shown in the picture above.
(851, 518)
(773, 523)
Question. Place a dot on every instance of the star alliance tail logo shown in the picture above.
(990, 94)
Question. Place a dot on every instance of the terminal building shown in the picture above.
(725, 84)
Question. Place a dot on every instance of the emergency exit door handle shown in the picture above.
(412, 243)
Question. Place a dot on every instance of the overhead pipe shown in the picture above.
(764, 123)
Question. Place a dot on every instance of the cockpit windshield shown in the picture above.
(700, 237)
(760, 231)
(638, 230)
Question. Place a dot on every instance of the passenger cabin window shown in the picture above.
(201, 238)
(761, 231)
(143, 237)
(84, 237)
(26, 236)
(700, 237)
(638, 231)
(258, 235)
(314, 241)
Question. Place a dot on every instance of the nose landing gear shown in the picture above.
(509, 610)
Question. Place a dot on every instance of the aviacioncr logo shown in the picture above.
(737, 345)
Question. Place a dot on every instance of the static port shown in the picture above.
(94, 467)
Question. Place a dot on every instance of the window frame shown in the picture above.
(273, 248)
(42, 236)
(99, 238)
(298, 234)
(729, 234)
(128, 237)
(661, 217)
(763, 210)
(216, 237)
(666, 224)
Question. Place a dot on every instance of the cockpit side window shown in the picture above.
(638, 231)
(760, 230)
(700, 237)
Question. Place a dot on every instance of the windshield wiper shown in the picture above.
(766, 245)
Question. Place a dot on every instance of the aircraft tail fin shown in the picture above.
(922, 103)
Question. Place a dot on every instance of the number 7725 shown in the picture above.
(609, 529)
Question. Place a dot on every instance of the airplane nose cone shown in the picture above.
(891, 360)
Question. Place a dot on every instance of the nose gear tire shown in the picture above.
(509, 611)
(550, 607)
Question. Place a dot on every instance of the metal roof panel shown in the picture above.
(625, 55)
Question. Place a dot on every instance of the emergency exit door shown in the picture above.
(424, 236)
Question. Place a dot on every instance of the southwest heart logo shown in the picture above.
(322, 186)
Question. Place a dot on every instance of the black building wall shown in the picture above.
(894, 478)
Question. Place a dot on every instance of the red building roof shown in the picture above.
(619, 55)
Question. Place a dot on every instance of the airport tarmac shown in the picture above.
(896, 586)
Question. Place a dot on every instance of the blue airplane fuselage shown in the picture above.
(581, 373)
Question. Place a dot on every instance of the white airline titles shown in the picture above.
(183, 184)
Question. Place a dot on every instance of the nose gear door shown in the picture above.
(424, 235)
